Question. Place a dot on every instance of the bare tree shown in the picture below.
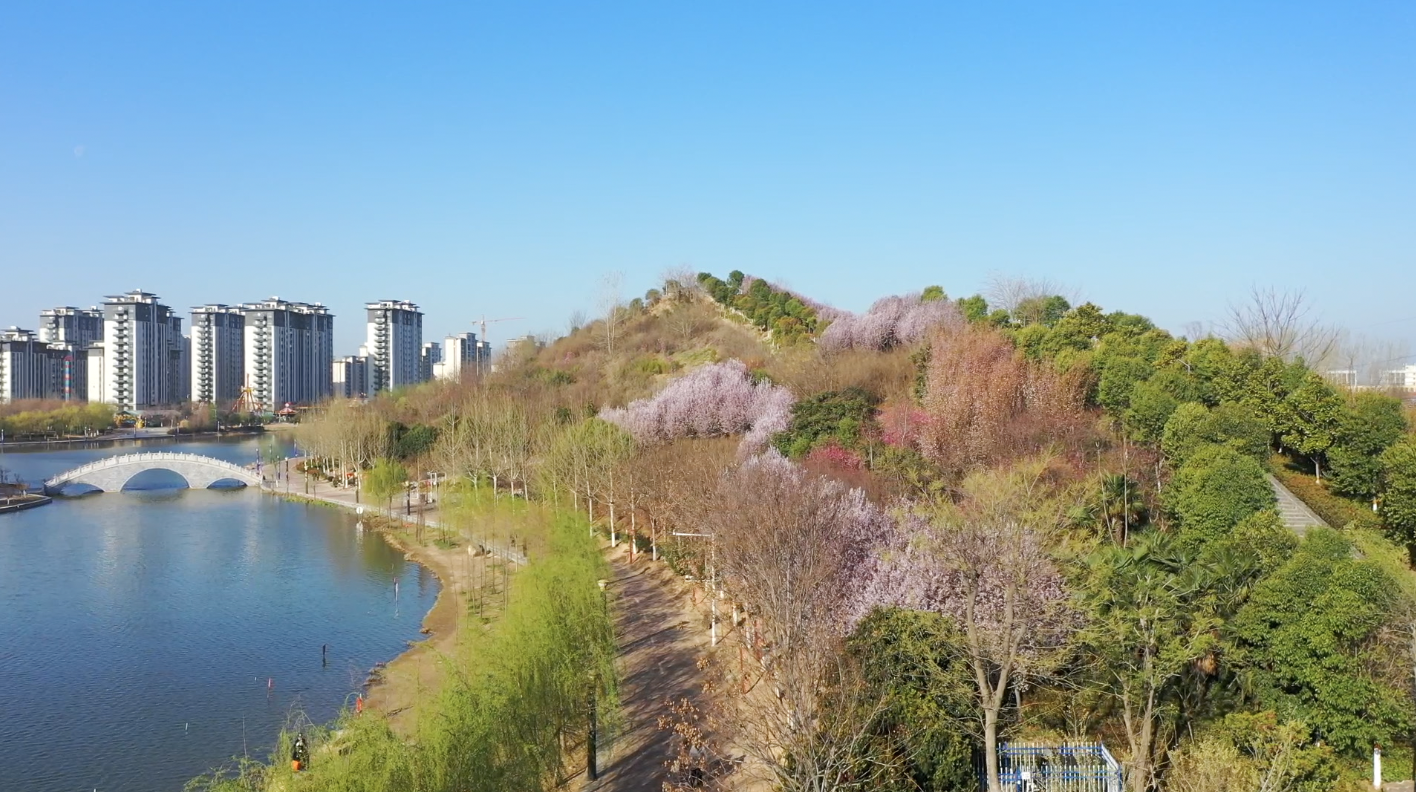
(611, 310)
(575, 322)
(1009, 292)
(681, 284)
(1278, 324)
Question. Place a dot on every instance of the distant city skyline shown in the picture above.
(480, 160)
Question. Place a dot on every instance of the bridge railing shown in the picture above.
(155, 456)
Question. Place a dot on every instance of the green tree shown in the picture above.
(1310, 419)
(1398, 499)
(1144, 632)
(1302, 645)
(839, 415)
(1192, 426)
(1214, 491)
(385, 480)
(1367, 428)
(974, 309)
(1149, 410)
(932, 294)
(911, 661)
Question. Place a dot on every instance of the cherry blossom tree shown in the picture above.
(790, 544)
(985, 565)
(710, 401)
(890, 322)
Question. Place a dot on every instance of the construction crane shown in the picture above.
(484, 321)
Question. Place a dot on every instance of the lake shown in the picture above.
(149, 635)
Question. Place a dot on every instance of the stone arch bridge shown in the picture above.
(110, 474)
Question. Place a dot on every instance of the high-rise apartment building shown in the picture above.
(395, 341)
(218, 354)
(460, 353)
(428, 359)
(29, 368)
(69, 325)
(289, 352)
(351, 377)
(75, 330)
(144, 353)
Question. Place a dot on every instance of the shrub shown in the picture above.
(835, 415)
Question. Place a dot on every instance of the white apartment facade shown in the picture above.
(76, 330)
(461, 352)
(289, 352)
(218, 354)
(145, 356)
(395, 341)
(1402, 377)
(29, 368)
(351, 377)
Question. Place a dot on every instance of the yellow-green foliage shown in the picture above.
(68, 419)
(516, 695)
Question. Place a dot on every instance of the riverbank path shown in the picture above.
(659, 649)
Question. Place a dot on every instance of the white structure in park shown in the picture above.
(145, 356)
(110, 474)
(461, 352)
(395, 342)
(218, 354)
(289, 352)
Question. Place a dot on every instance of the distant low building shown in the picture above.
(1401, 378)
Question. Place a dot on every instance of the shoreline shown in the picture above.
(118, 439)
(393, 688)
(25, 502)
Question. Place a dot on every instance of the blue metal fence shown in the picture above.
(1056, 767)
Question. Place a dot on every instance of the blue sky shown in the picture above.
(501, 158)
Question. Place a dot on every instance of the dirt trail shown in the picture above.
(660, 639)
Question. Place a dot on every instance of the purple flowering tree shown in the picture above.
(715, 400)
(986, 566)
(890, 322)
(790, 544)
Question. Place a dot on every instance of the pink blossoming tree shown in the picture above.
(890, 322)
(716, 400)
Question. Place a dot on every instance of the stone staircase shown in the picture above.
(1295, 513)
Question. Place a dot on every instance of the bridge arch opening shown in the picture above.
(156, 479)
(77, 489)
(227, 484)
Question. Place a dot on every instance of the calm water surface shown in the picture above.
(147, 636)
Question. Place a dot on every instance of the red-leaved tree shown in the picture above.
(987, 405)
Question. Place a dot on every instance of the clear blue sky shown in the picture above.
(500, 158)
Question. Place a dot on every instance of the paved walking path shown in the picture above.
(1295, 513)
(659, 650)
